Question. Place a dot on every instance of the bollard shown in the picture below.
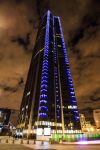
(53, 136)
(42, 142)
(34, 142)
(21, 141)
(50, 141)
(76, 137)
(13, 141)
(6, 140)
(27, 141)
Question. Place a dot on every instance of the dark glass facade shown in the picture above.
(49, 99)
(4, 116)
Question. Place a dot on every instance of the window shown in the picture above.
(28, 93)
(72, 107)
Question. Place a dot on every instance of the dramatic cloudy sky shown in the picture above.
(19, 21)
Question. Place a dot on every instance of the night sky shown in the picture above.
(19, 20)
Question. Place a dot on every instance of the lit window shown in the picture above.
(72, 107)
(72, 95)
(26, 106)
(59, 45)
(22, 108)
(72, 92)
(43, 101)
(39, 131)
(60, 124)
(47, 131)
(28, 93)
(53, 124)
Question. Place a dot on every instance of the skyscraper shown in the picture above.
(49, 104)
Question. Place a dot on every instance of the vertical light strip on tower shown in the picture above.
(68, 74)
(43, 108)
(58, 106)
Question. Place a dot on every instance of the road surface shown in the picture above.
(48, 147)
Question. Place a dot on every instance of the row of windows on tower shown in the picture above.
(67, 63)
(68, 75)
(58, 110)
(48, 123)
(70, 83)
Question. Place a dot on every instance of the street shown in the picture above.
(48, 147)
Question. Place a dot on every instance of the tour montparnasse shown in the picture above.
(49, 103)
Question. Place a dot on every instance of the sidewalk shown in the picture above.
(9, 140)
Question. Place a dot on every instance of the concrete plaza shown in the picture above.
(25, 145)
(40, 146)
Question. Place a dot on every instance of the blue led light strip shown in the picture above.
(68, 74)
(43, 108)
